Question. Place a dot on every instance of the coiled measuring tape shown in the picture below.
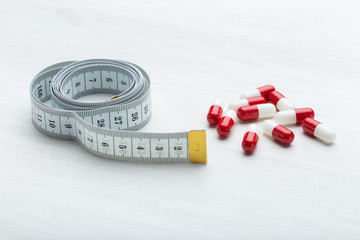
(107, 128)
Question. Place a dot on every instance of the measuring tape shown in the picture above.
(107, 128)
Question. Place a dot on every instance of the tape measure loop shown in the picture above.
(106, 128)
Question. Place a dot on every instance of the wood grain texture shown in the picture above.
(193, 51)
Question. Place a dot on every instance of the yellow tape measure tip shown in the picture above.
(197, 146)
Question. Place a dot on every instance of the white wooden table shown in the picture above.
(193, 51)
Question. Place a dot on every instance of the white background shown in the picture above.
(193, 51)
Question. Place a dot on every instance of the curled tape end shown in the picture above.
(197, 146)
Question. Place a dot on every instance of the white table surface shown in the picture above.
(193, 51)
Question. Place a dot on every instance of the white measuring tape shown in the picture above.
(107, 129)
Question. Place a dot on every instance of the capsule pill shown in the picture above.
(246, 102)
(295, 116)
(254, 112)
(319, 130)
(278, 132)
(260, 91)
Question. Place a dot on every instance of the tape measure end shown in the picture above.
(197, 147)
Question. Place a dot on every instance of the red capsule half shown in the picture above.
(302, 113)
(309, 125)
(274, 97)
(256, 100)
(283, 135)
(226, 123)
(265, 90)
(215, 112)
(250, 139)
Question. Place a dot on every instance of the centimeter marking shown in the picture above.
(140, 147)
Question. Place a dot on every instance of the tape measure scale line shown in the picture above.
(108, 129)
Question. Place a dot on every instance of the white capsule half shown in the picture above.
(324, 133)
(231, 114)
(220, 103)
(266, 110)
(251, 93)
(285, 117)
(268, 127)
(235, 105)
(254, 128)
(284, 104)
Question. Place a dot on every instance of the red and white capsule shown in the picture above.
(254, 112)
(319, 130)
(215, 112)
(226, 123)
(295, 116)
(260, 91)
(251, 138)
(280, 101)
(246, 102)
(278, 132)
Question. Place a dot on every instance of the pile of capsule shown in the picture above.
(261, 103)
